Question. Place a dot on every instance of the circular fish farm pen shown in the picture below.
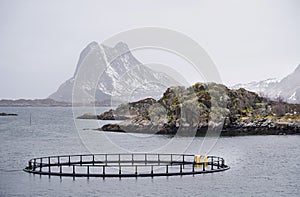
(125, 165)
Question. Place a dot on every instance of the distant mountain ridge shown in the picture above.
(123, 76)
(287, 89)
(33, 103)
(258, 87)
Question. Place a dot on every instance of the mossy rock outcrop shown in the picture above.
(239, 112)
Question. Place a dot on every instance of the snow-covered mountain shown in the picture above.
(123, 76)
(259, 87)
(288, 88)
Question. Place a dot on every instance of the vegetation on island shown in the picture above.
(203, 106)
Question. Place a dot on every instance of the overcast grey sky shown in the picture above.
(40, 41)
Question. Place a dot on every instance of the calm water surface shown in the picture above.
(260, 165)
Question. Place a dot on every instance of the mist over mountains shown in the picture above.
(124, 78)
(287, 89)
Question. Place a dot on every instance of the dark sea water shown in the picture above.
(260, 165)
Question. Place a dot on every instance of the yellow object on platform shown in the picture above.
(197, 159)
(205, 161)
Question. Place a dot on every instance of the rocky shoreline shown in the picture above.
(109, 115)
(279, 128)
(7, 114)
(233, 113)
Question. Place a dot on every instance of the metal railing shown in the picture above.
(125, 165)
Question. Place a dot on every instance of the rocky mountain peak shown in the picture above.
(92, 47)
(92, 44)
(124, 76)
(122, 47)
(297, 70)
(116, 53)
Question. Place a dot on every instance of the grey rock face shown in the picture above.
(124, 77)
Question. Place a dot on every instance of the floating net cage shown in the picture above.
(125, 165)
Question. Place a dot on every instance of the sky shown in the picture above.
(40, 40)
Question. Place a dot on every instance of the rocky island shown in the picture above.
(205, 107)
